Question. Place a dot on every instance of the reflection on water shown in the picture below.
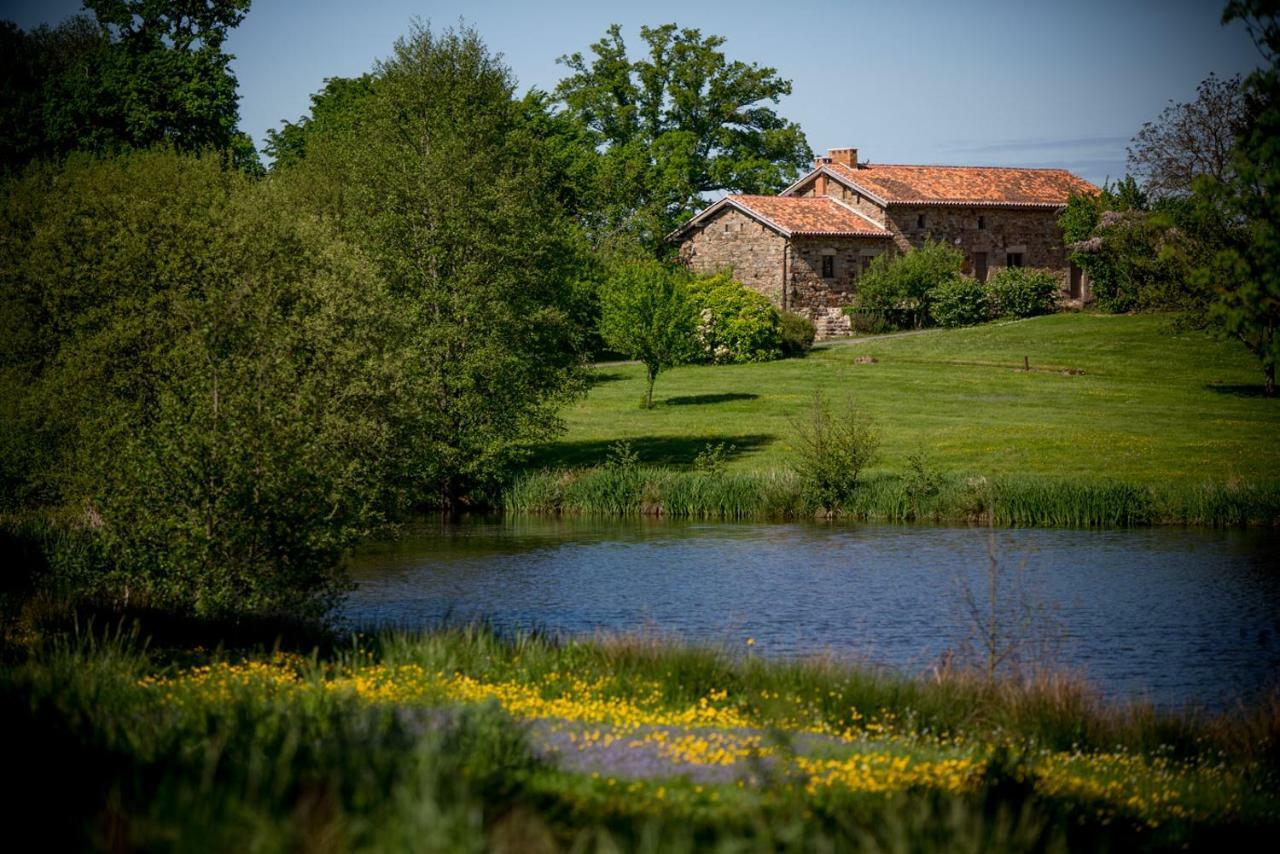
(1180, 616)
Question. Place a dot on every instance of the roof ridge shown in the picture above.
(952, 166)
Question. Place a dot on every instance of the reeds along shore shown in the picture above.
(1008, 500)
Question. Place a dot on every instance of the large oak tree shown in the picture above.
(678, 123)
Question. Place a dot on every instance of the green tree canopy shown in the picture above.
(441, 180)
(900, 286)
(204, 378)
(1245, 273)
(338, 107)
(134, 74)
(679, 122)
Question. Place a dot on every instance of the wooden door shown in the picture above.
(980, 266)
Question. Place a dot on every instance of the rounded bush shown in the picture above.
(735, 324)
(797, 333)
(960, 301)
(1023, 292)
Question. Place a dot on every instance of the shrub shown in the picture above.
(735, 324)
(831, 452)
(961, 301)
(210, 381)
(797, 332)
(1021, 292)
(898, 287)
(1138, 254)
(869, 323)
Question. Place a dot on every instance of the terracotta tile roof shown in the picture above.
(797, 215)
(986, 185)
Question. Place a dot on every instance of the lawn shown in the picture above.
(1153, 404)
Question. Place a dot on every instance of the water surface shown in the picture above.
(1182, 617)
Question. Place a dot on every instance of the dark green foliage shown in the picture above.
(441, 181)
(1023, 292)
(329, 770)
(201, 377)
(1138, 261)
(1139, 254)
(734, 323)
(31, 66)
(138, 73)
(961, 301)
(898, 288)
(831, 451)
(682, 121)
(798, 333)
(337, 108)
(1244, 272)
(646, 314)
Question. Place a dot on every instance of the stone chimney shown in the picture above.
(820, 161)
(846, 156)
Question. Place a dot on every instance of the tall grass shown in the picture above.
(1010, 500)
(100, 765)
(1054, 710)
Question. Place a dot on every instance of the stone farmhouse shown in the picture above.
(806, 247)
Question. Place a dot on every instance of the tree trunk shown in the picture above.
(1271, 379)
(648, 396)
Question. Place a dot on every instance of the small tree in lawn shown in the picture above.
(645, 314)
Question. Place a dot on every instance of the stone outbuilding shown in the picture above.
(806, 247)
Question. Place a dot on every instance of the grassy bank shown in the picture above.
(461, 740)
(1009, 500)
(1152, 405)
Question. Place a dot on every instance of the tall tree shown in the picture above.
(136, 74)
(445, 186)
(1189, 140)
(678, 123)
(1246, 272)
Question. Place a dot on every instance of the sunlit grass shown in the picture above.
(1152, 405)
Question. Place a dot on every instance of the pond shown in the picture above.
(1178, 616)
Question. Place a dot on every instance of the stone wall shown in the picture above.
(821, 299)
(732, 240)
(1034, 232)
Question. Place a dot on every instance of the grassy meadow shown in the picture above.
(1115, 421)
(462, 740)
(1152, 405)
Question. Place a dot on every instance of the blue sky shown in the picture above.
(1030, 83)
